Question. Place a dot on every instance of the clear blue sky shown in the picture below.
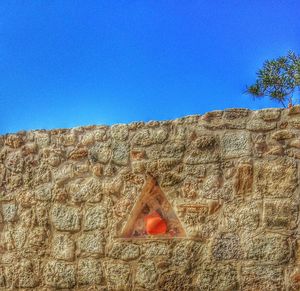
(70, 63)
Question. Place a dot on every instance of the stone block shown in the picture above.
(119, 132)
(63, 247)
(118, 276)
(78, 153)
(15, 162)
(242, 215)
(60, 275)
(244, 179)
(280, 214)
(260, 125)
(271, 248)
(236, 144)
(282, 134)
(226, 246)
(157, 249)
(175, 280)
(217, 277)
(65, 218)
(125, 251)
(275, 178)
(95, 218)
(146, 137)
(89, 272)
(146, 275)
(269, 114)
(9, 212)
(28, 274)
(120, 154)
(91, 243)
(261, 278)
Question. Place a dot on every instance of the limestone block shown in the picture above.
(282, 134)
(119, 132)
(173, 150)
(95, 217)
(146, 137)
(275, 178)
(184, 250)
(125, 251)
(19, 236)
(280, 214)
(82, 190)
(260, 125)
(89, 272)
(65, 218)
(68, 139)
(87, 139)
(146, 275)
(269, 114)
(42, 139)
(91, 243)
(100, 153)
(59, 275)
(244, 179)
(170, 179)
(226, 246)
(175, 280)
(272, 248)
(43, 193)
(118, 276)
(78, 153)
(14, 162)
(101, 134)
(217, 277)
(9, 212)
(261, 278)
(236, 144)
(213, 120)
(157, 249)
(37, 239)
(203, 149)
(27, 274)
(63, 247)
(242, 215)
(120, 154)
(235, 118)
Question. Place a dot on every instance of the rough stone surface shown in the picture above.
(59, 275)
(63, 247)
(231, 179)
(65, 218)
(89, 272)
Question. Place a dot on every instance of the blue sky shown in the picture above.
(71, 63)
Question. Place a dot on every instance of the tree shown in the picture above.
(278, 79)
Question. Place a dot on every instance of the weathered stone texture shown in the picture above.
(231, 179)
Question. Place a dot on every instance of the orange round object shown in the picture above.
(155, 224)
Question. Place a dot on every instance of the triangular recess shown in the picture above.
(152, 201)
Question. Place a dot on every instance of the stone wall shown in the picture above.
(231, 178)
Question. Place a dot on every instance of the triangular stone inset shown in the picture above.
(152, 215)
